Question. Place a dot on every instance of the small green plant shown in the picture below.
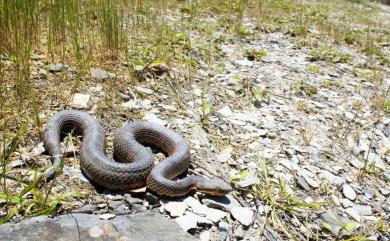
(315, 68)
(386, 106)
(205, 107)
(36, 204)
(303, 106)
(329, 54)
(255, 55)
(261, 95)
(332, 84)
(307, 134)
(312, 90)
(380, 103)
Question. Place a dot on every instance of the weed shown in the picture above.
(329, 54)
(261, 94)
(303, 106)
(357, 106)
(205, 107)
(255, 55)
(331, 84)
(307, 134)
(274, 194)
(315, 68)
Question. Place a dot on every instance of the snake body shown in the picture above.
(133, 166)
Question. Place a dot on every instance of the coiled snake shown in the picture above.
(134, 166)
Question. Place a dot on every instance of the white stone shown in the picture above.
(243, 215)
(143, 90)
(352, 212)
(80, 101)
(175, 209)
(95, 232)
(225, 111)
(187, 222)
(192, 202)
(153, 118)
(107, 216)
(290, 165)
(212, 214)
(204, 236)
(349, 192)
(225, 154)
(215, 215)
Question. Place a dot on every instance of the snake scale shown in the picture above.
(133, 166)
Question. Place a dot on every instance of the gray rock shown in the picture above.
(363, 210)
(215, 215)
(121, 210)
(113, 204)
(349, 192)
(367, 193)
(290, 165)
(210, 213)
(243, 215)
(331, 178)
(223, 226)
(54, 68)
(302, 184)
(132, 200)
(386, 208)
(346, 203)
(353, 213)
(332, 222)
(86, 227)
(114, 197)
(89, 209)
(152, 199)
(386, 176)
(239, 233)
(107, 216)
(101, 74)
(226, 202)
(138, 208)
(384, 191)
(312, 182)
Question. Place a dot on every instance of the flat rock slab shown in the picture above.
(142, 226)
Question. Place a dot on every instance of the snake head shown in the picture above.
(214, 187)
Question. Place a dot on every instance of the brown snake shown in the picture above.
(134, 166)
